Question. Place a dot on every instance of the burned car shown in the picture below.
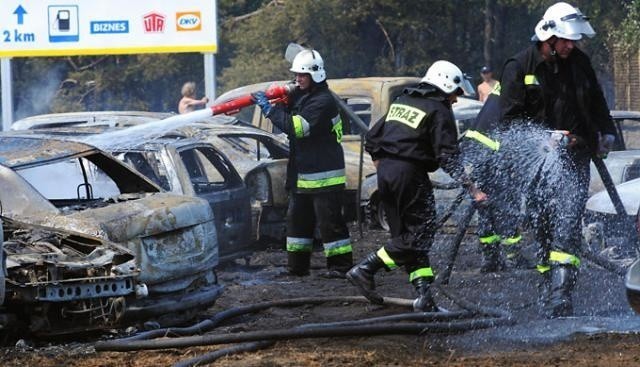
(196, 168)
(258, 156)
(91, 244)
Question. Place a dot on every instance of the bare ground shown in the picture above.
(602, 334)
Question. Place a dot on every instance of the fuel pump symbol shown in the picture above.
(62, 20)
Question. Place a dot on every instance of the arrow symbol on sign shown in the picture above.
(20, 12)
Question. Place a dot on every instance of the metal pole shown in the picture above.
(7, 93)
(210, 77)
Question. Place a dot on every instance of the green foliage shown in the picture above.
(627, 34)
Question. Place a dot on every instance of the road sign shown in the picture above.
(96, 27)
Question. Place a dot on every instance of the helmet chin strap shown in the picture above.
(553, 53)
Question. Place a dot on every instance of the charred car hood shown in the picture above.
(145, 216)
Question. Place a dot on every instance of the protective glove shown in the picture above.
(559, 138)
(605, 144)
(260, 98)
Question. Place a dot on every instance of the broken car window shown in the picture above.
(65, 180)
(207, 170)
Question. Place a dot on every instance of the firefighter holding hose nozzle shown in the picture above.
(316, 171)
(417, 135)
(552, 83)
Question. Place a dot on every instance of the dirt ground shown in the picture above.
(603, 333)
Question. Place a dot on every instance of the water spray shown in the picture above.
(133, 136)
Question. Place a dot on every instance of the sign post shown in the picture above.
(37, 28)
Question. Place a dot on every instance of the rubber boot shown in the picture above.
(424, 302)
(563, 280)
(515, 260)
(491, 260)
(338, 266)
(298, 262)
(544, 290)
(362, 274)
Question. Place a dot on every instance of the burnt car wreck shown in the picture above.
(63, 281)
(90, 244)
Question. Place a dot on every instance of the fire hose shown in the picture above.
(275, 94)
(386, 325)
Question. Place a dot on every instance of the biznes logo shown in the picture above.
(153, 23)
(188, 21)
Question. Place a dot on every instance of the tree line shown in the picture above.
(356, 38)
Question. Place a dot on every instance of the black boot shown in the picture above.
(563, 280)
(338, 265)
(424, 302)
(491, 259)
(362, 274)
(299, 262)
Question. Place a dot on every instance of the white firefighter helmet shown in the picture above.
(309, 62)
(447, 77)
(563, 21)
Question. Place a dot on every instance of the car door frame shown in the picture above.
(230, 205)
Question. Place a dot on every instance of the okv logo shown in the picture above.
(188, 21)
(63, 23)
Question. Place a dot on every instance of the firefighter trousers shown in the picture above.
(324, 210)
(555, 205)
(407, 198)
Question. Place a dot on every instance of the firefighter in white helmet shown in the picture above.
(417, 135)
(316, 170)
(552, 83)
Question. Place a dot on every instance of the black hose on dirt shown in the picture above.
(215, 355)
(443, 277)
(385, 325)
(220, 317)
(300, 333)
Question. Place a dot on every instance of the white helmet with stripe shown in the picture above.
(447, 77)
(309, 62)
(563, 21)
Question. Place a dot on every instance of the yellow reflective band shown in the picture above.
(483, 139)
(421, 273)
(530, 79)
(543, 268)
(325, 182)
(386, 259)
(407, 115)
(511, 240)
(487, 240)
(496, 89)
(564, 258)
(337, 128)
(299, 247)
(338, 250)
(297, 126)
(301, 127)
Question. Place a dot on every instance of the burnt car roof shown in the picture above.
(16, 151)
(98, 118)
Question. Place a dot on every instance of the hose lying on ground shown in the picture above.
(344, 328)
(299, 333)
(217, 354)
(220, 317)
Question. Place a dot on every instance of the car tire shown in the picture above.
(381, 216)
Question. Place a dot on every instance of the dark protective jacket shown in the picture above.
(564, 95)
(419, 127)
(312, 123)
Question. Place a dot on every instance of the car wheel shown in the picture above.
(381, 216)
